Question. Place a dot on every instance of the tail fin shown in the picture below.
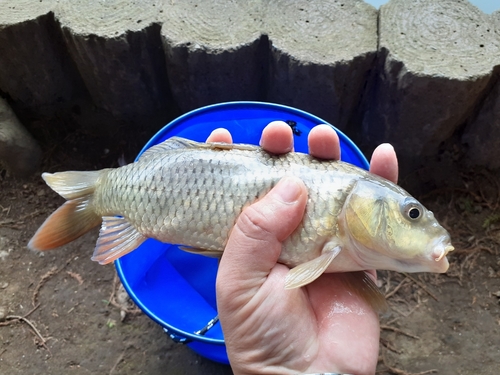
(75, 217)
(71, 185)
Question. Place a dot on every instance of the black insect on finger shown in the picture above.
(293, 125)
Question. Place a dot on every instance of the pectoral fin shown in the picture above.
(307, 272)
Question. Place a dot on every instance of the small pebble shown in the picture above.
(122, 296)
(3, 313)
(3, 254)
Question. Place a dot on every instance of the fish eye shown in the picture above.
(414, 213)
(412, 210)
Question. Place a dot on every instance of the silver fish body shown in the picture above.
(189, 193)
(193, 197)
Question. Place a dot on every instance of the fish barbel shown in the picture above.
(191, 193)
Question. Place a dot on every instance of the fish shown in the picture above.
(191, 194)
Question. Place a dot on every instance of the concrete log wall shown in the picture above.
(421, 74)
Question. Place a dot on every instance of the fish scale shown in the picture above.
(193, 197)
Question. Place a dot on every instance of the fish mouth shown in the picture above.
(439, 252)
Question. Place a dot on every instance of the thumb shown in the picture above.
(254, 245)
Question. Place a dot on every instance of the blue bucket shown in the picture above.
(177, 289)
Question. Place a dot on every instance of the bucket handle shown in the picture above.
(178, 339)
(184, 340)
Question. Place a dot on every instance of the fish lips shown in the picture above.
(438, 251)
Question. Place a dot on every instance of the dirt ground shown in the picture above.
(61, 313)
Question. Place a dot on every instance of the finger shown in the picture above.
(324, 142)
(220, 135)
(277, 138)
(384, 162)
(254, 245)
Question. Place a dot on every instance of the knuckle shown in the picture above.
(254, 224)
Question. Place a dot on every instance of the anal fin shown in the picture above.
(306, 273)
(117, 237)
(362, 285)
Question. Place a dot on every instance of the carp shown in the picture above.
(189, 193)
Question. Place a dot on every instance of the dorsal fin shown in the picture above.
(172, 143)
(176, 143)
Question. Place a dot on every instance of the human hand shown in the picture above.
(321, 327)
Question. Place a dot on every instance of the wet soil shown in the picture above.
(61, 313)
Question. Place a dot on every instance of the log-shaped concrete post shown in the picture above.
(35, 68)
(482, 135)
(213, 51)
(321, 53)
(436, 60)
(116, 47)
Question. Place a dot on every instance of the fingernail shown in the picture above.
(288, 189)
(271, 124)
(387, 146)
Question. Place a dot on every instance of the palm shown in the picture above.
(316, 328)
